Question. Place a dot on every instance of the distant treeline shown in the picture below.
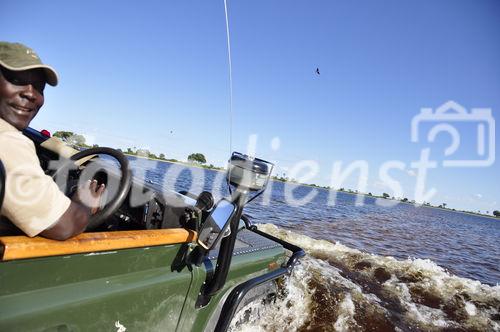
(78, 141)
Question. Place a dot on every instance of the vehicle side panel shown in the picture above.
(134, 288)
(243, 268)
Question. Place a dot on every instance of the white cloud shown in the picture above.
(478, 196)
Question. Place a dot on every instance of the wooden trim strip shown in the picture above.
(21, 247)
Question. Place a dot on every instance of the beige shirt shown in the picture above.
(33, 202)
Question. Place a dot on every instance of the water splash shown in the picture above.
(337, 288)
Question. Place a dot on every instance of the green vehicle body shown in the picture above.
(137, 288)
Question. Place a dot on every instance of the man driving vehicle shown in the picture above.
(33, 201)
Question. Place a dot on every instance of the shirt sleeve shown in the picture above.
(33, 202)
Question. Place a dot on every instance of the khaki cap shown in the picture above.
(17, 57)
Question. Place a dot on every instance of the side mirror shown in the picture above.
(248, 173)
(2, 183)
(216, 224)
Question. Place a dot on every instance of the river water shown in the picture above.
(369, 267)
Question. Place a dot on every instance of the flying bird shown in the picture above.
(317, 71)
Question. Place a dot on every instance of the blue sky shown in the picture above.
(154, 75)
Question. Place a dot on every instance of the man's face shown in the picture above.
(21, 95)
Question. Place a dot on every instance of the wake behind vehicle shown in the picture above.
(148, 261)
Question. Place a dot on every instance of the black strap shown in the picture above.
(2, 183)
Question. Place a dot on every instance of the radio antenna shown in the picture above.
(230, 81)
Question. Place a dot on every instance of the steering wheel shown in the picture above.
(2, 183)
(125, 181)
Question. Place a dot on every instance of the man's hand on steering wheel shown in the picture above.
(90, 195)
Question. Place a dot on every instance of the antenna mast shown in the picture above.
(230, 81)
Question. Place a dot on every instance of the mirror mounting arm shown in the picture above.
(211, 288)
(247, 174)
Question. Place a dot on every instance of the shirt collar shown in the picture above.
(5, 126)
